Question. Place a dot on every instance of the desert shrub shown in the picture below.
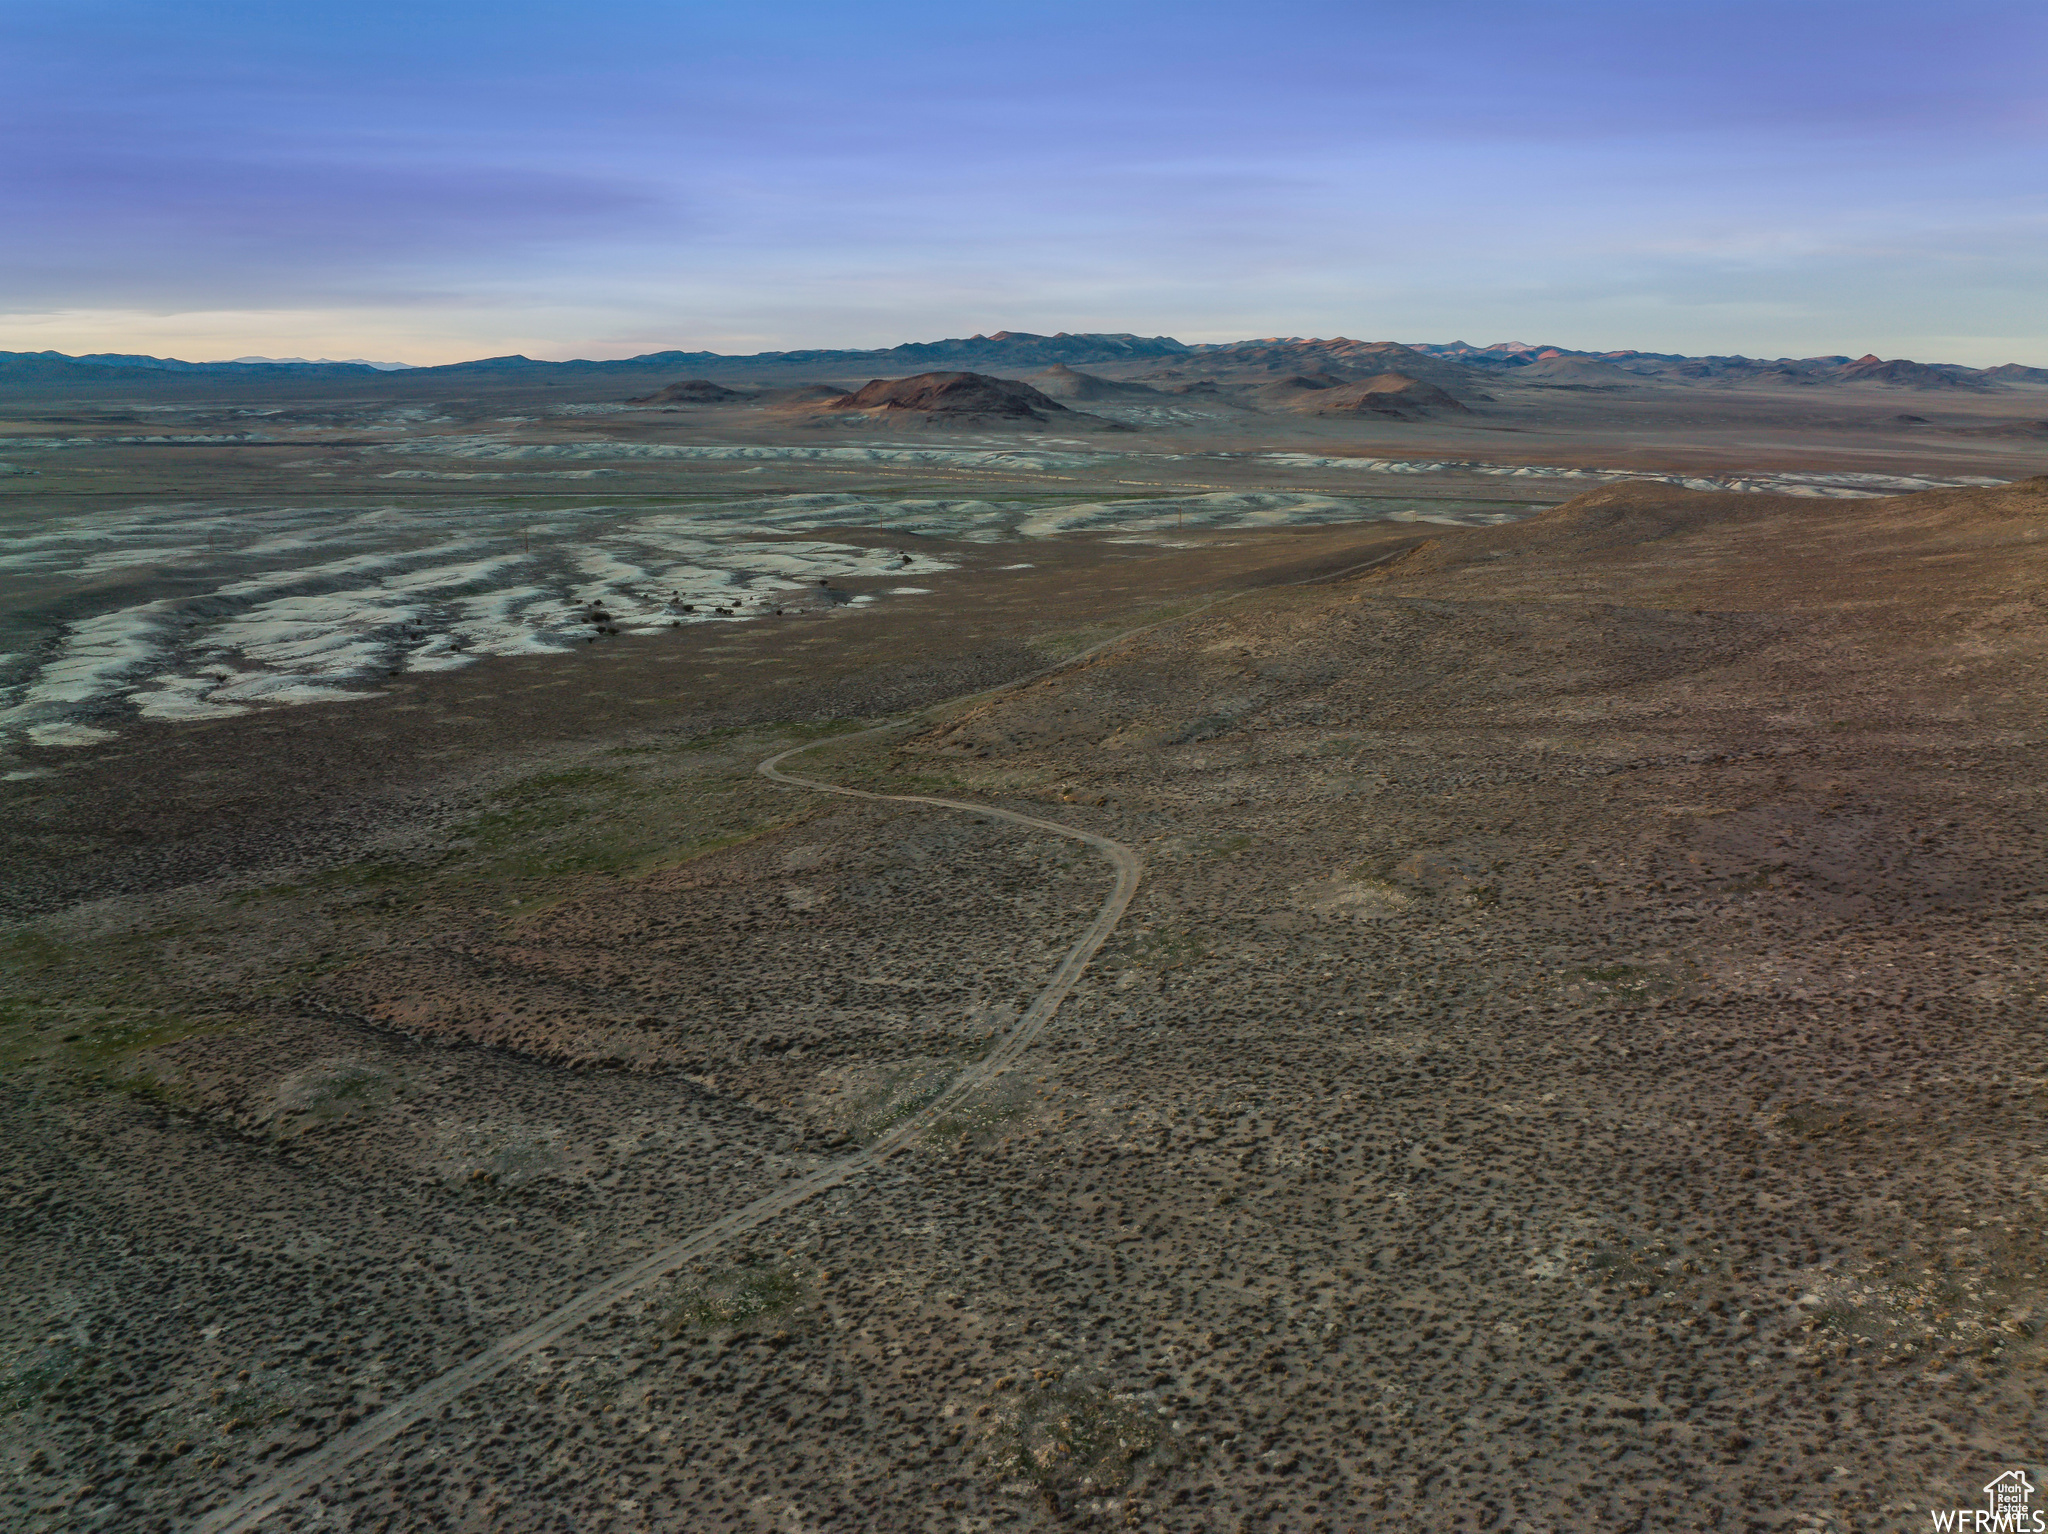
(869, 1115)
(1610, 974)
(981, 1114)
(152, 1082)
(329, 1092)
(1821, 1121)
(1068, 1435)
(517, 1162)
(51, 1368)
(1642, 1270)
(248, 1405)
(1360, 893)
(1164, 948)
(1986, 1298)
(491, 1157)
(741, 1298)
(1651, 978)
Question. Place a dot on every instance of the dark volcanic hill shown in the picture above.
(691, 391)
(946, 398)
(1285, 391)
(1388, 394)
(801, 394)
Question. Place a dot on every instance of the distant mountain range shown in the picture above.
(57, 367)
(1511, 355)
(1555, 366)
(1004, 349)
(364, 362)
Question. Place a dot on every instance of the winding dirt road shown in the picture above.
(334, 1457)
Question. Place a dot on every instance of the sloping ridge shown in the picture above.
(1735, 550)
(1585, 372)
(1062, 382)
(1612, 517)
(1340, 356)
(1646, 512)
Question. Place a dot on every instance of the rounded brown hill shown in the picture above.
(951, 395)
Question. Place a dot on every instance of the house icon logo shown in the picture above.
(2010, 1510)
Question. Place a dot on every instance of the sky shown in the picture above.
(440, 179)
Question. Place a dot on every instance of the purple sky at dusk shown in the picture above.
(435, 181)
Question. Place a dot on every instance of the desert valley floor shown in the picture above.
(1571, 1058)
